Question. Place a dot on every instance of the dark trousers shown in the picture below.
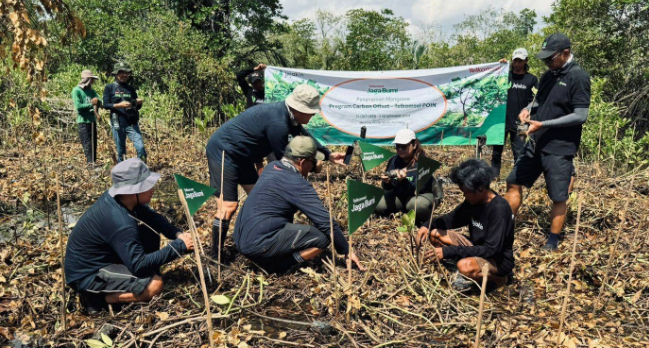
(88, 136)
(517, 149)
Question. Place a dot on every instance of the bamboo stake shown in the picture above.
(333, 249)
(194, 233)
(485, 275)
(610, 258)
(92, 141)
(614, 147)
(572, 267)
(58, 206)
(599, 144)
(349, 263)
(221, 213)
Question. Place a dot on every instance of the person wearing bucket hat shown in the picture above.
(555, 120)
(265, 232)
(246, 140)
(113, 253)
(519, 95)
(400, 181)
(120, 98)
(85, 99)
(251, 82)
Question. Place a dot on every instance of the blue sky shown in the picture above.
(418, 13)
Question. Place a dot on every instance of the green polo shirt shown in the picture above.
(81, 98)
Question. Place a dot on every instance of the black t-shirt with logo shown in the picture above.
(491, 231)
(519, 96)
(561, 92)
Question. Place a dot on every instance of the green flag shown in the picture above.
(425, 169)
(372, 155)
(361, 201)
(196, 194)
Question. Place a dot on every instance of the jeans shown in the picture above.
(497, 154)
(121, 129)
(88, 137)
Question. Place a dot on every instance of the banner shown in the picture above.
(361, 201)
(446, 106)
(372, 156)
(196, 194)
(425, 169)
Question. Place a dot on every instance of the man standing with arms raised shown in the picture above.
(555, 125)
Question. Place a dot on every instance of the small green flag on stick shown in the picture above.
(372, 156)
(196, 193)
(361, 201)
(425, 169)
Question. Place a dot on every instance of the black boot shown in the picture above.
(226, 255)
(93, 303)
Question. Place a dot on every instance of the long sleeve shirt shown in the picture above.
(256, 133)
(491, 231)
(253, 97)
(280, 192)
(107, 234)
(82, 99)
(115, 93)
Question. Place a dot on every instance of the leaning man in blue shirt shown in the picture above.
(265, 232)
(113, 253)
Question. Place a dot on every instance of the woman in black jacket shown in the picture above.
(400, 181)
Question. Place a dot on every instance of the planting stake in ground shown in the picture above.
(610, 258)
(483, 290)
(194, 233)
(333, 249)
(221, 213)
(572, 267)
(58, 207)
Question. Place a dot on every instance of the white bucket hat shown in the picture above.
(305, 99)
(404, 136)
(131, 177)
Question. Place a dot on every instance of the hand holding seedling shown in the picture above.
(534, 126)
(524, 116)
(385, 178)
(421, 235)
(401, 174)
(437, 252)
(122, 105)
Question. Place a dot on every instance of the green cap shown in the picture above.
(121, 66)
(304, 147)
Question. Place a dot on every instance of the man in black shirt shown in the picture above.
(555, 125)
(113, 256)
(519, 95)
(253, 88)
(265, 231)
(246, 140)
(491, 228)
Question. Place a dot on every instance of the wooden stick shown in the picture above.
(349, 263)
(610, 258)
(334, 275)
(485, 275)
(92, 141)
(58, 206)
(221, 214)
(192, 228)
(614, 148)
(572, 267)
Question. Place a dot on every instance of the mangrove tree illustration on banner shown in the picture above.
(447, 106)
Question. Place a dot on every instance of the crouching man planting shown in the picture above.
(113, 258)
(264, 231)
(491, 228)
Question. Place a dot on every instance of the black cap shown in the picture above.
(552, 44)
(254, 77)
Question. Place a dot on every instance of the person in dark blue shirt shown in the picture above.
(113, 253)
(251, 82)
(400, 188)
(246, 140)
(120, 98)
(265, 232)
(491, 228)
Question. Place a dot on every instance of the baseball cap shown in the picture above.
(131, 177)
(305, 99)
(255, 76)
(553, 43)
(304, 147)
(88, 74)
(121, 66)
(404, 136)
(520, 53)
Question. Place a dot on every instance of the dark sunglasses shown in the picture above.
(549, 60)
(402, 146)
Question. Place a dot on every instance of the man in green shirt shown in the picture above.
(85, 99)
